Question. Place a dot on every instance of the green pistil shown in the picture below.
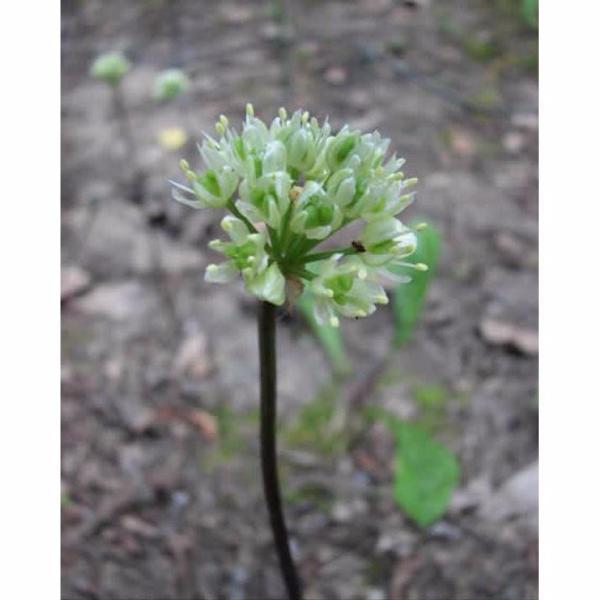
(238, 144)
(240, 254)
(210, 182)
(383, 247)
(318, 215)
(345, 148)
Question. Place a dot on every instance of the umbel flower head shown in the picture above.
(288, 187)
(110, 67)
(169, 84)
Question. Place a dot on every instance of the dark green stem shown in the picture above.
(328, 253)
(285, 230)
(233, 208)
(268, 446)
(310, 244)
(298, 271)
(125, 124)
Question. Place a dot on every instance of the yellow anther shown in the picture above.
(295, 192)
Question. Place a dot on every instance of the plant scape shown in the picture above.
(288, 187)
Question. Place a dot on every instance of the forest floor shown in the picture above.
(161, 488)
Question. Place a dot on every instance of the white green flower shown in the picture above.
(266, 198)
(246, 254)
(213, 187)
(386, 241)
(110, 67)
(291, 185)
(345, 286)
(315, 214)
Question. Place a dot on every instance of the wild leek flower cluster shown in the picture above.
(169, 84)
(289, 187)
(110, 67)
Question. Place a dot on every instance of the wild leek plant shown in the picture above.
(111, 68)
(288, 187)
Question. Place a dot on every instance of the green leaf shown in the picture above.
(425, 473)
(529, 9)
(409, 297)
(329, 337)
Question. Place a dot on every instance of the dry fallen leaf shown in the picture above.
(403, 574)
(204, 422)
(462, 143)
(236, 13)
(516, 497)
(503, 333)
(73, 281)
(336, 75)
(138, 526)
(513, 142)
(192, 358)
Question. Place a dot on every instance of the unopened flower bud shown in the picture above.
(169, 84)
(110, 68)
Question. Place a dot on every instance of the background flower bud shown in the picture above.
(110, 68)
(169, 84)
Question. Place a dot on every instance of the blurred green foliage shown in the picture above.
(409, 297)
(330, 338)
(316, 426)
(525, 11)
(425, 473)
(480, 49)
(433, 402)
(529, 10)
(430, 396)
(232, 434)
(311, 492)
